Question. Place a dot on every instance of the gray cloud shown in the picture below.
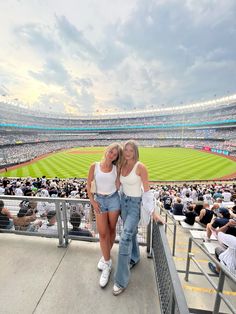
(188, 44)
(71, 36)
(52, 73)
(162, 52)
(39, 37)
(83, 82)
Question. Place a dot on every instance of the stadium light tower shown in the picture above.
(182, 133)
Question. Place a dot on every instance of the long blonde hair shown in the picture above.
(134, 145)
(119, 158)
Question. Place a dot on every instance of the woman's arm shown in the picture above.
(143, 173)
(118, 184)
(90, 194)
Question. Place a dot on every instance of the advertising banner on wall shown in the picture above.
(207, 148)
(220, 151)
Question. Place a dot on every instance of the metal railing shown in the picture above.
(224, 272)
(170, 291)
(169, 227)
(172, 299)
(13, 206)
(64, 207)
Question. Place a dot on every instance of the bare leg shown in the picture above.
(104, 235)
(112, 218)
(208, 230)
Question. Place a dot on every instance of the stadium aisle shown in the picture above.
(37, 277)
(198, 291)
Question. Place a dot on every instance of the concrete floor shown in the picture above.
(38, 277)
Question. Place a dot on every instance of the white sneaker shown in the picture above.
(117, 290)
(105, 275)
(102, 263)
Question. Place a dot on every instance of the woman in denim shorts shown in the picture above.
(133, 178)
(102, 187)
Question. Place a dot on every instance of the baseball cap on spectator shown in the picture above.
(24, 207)
(224, 212)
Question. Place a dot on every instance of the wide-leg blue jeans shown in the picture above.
(128, 247)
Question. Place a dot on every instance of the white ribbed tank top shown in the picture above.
(105, 181)
(131, 184)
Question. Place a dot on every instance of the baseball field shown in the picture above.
(164, 164)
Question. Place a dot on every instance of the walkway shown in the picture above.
(38, 277)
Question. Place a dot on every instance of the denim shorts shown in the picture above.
(108, 203)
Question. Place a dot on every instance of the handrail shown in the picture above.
(172, 299)
(62, 214)
(59, 204)
(167, 226)
(223, 272)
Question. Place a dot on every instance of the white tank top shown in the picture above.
(132, 183)
(105, 181)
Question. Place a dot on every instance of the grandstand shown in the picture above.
(27, 134)
(211, 125)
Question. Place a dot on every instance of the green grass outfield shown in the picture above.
(164, 164)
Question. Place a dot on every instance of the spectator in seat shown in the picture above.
(187, 200)
(205, 215)
(26, 217)
(217, 194)
(5, 217)
(178, 207)
(75, 220)
(226, 254)
(49, 226)
(190, 215)
(199, 205)
(226, 196)
(2, 189)
(167, 201)
(18, 189)
(221, 220)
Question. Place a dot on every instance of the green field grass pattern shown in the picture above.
(164, 164)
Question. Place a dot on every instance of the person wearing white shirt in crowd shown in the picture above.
(208, 198)
(18, 191)
(44, 192)
(49, 226)
(194, 194)
(187, 200)
(185, 190)
(226, 196)
(2, 189)
(226, 254)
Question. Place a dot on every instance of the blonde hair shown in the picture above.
(119, 158)
(134, 145)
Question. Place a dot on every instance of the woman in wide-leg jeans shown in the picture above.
(134, 179)
(129, 248)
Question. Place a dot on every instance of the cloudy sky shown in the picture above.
(80, 56)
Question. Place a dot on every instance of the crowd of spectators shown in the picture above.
(199, 200)
(213, 205)
(16, 154)
(199, 115)
(40, 216)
